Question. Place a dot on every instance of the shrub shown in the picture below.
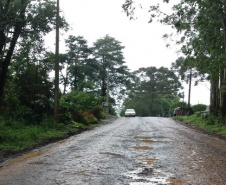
(199, 107)
(98, 112)
(72, 104)
(89, 118)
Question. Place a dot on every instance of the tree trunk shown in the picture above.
(223, 75)
(223, 93)
(5, 62)
(189, 90)
(214, 97)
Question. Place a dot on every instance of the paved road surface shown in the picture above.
(129, 151)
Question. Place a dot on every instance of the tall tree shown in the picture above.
(80, 63)
(111, 71)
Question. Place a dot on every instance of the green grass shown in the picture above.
(17, 136)
(207, 123)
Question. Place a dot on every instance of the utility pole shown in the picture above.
(107, 98)
(56, 95)
(189, 90)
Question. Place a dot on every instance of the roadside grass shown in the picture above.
(16, 136)
(207, 123)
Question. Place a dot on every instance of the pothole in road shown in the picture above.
(147, 139)
(149, 161)
(141, 147)
(83, 172)
(142, 137)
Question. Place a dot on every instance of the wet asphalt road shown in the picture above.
(129, 151)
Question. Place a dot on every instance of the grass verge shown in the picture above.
(207, 123)
(16, 136)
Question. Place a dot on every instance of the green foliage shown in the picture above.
(177, 104)
(152, 91)
(80, 66)
(88, 118)
(199, 107)
(98, 112)
(148, 105)
(16, 135)
(29, 21)
(209, 123)
(201, 25)
(75, 103)
(80, 100)
(75, 127)
(157, 80)
(179, 118)
(110, 65)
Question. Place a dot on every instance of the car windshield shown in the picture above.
(130, 110)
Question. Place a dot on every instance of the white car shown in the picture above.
(130, 112)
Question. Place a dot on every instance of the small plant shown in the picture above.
(75, 124)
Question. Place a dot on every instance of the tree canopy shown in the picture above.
(153, 91)
(23, 22)
(202, 29)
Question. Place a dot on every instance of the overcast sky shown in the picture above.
(144, 45)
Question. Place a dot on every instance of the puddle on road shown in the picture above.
(23, 157)
(147, 176)
(150, 176)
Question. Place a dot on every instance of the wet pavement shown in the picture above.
(129, 151)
